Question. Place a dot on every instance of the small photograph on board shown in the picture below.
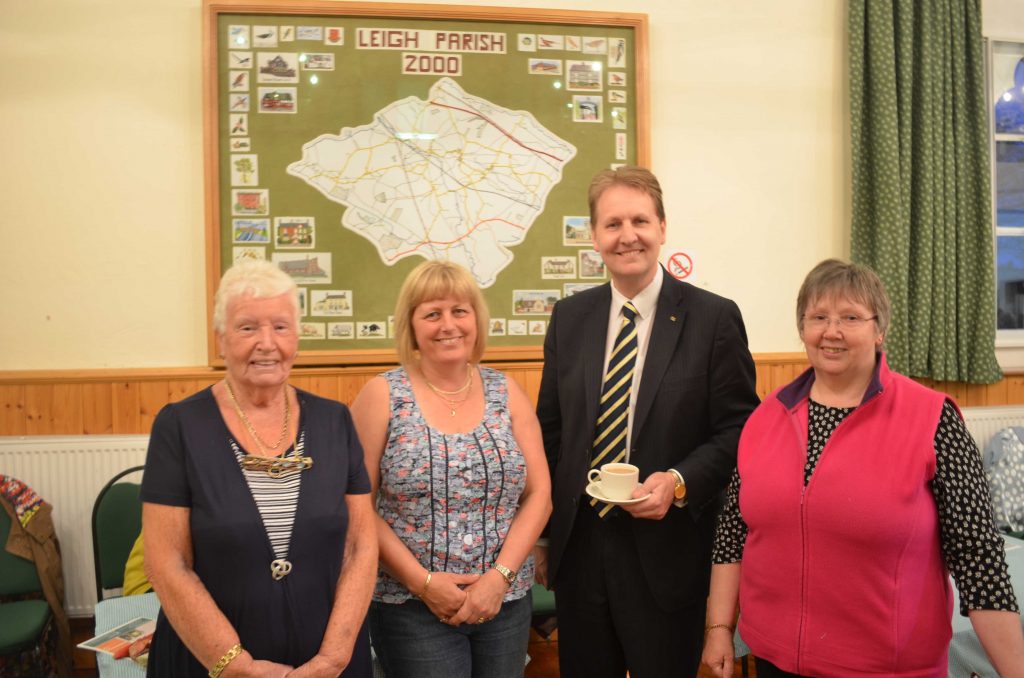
(308, 330)
(277, 67)
(371, 330)
(527, 42)
(264, 36)
(617, 53)
(545, 66)
(238, 124)
(250, 202)
(309, 268)
(555, 268)
(575, 288)
(294, 233)
(238, 81)
(534, 302)
(593, 45)
(591, 265)
(309, 33)
(576, 231)
(345, 330)
(245, 169)
(238, 37)
(497, 327)
(550, 42)
(317, 61)
(248, 254)
(583, 76)
(240, 59)
(277, 100)
(331, 302)
(335, 36)
(238, 102)
(587, 108)
(250, 231)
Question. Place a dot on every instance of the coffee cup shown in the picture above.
(615, 481)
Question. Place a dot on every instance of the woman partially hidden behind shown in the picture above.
(455, 453)
(857, 492)
(257, 519)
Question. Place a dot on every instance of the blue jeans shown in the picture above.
(411, 643)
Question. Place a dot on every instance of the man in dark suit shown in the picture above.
(631, 583)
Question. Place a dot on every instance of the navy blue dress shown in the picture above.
(190, 463)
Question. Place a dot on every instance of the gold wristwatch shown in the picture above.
(680, 489)
(509, 575)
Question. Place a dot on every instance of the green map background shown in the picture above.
(364, 82)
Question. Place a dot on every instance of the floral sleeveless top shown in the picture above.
(450, 497)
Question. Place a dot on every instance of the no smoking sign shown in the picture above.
(680, 266)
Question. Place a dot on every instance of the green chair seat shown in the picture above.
(21, 624)
(543, 600)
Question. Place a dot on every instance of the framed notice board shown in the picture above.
(348, 142)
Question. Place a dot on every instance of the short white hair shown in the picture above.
(259, 278)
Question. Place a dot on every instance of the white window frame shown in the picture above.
(1009, 343)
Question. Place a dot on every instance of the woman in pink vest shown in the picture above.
(857, 492)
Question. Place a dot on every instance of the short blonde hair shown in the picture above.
(837, 279)
(437, 280)
(258, 278)
(640, 178)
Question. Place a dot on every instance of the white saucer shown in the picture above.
(594, 490)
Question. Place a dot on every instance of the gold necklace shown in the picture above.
(275, 467)
(453, 405)
(464, 387)
(248, 424)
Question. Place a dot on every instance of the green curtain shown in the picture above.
(921, 184)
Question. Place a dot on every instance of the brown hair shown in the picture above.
(834, 278)
(437, 280)
(639, 178)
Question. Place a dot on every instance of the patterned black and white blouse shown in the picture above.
(972, 548)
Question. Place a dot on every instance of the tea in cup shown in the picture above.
(615, 481)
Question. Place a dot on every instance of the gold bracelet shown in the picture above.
(719, 626)
(235, 650)
(426, 585)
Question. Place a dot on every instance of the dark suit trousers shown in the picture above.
(608, 619)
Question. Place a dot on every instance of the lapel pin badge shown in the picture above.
(672, 318)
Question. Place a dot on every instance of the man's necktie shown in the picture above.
(613, 410)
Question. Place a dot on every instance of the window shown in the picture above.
(1006, 89)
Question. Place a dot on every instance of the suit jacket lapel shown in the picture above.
(595, 333)
(668, 323)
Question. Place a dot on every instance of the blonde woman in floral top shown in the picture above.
(455, 456)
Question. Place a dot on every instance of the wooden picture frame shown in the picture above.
(349, 141)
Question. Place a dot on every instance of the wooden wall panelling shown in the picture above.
(12, 410)
(124, 406)
(97, 408)
(126, 401)
(1014, 388)
(153, 395)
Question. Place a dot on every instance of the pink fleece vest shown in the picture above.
(845, 577)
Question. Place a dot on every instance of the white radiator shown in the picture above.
(984, 422)
(68, 472)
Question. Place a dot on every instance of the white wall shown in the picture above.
(101, 205)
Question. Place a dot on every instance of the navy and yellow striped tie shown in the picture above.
(613, 411)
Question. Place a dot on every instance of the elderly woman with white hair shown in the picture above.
(259, 529)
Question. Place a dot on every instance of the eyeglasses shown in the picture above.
(844, 322)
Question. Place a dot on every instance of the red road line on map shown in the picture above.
(450, 242)
(497, 127)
